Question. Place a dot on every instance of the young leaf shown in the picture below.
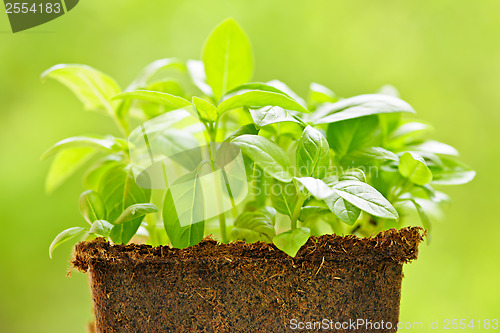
(135, 211)
(65, 164)
(101, 228)
(272, 114)
(351, 135)
(360, 106)
(313, 154)
(173, 102)
(196, 71)
(255, 86)
(289, 92)
(413, 167)
(426, 223)
(407, 133)
(452, 173)
(388, 89)
(256, 99)
(343, 209)
(353, 174)
(369, 156)
(365, 198)
(227, 58)
(81, 141)
(268, 155)
(190, 233)
(291, 241)
(245, 129)
(206, 110)
(119, 190)
(316, 187)
(93, 176)
(91, 206)
(252, 227)
(63, 237)
(319, 94)
(284, 197)
(311, 212)
(93, 88)
(436, 147)
(152, 69)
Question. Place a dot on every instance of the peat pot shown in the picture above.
(332, 283)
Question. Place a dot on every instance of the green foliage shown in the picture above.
(91, 206)
(191, 232)
(313, 154)
(267, 155)
(322, 164)
(291, 241)
(227, 58)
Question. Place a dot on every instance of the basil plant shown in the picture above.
(202, 149)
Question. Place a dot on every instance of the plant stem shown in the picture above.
(212, 132)
(296, 211)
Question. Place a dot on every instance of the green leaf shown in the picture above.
(65, 164)
(245, 129)
(93, 176)
(63, 237)
(272, 114)
(452, 172)
(101, 228)
(319, 94)
(81, 141)
(196, 71)
(426, 223)
(174, 102)
(152, 69)
(256, 99)
(268, 155)
(284, 197)
(313, 154)
(206, 110)
(227, 57)
(343, 209)
(436, 147)
(252, 227)
(91, 206)
(291, 241)
(94, 88)
(360, 106)
(119, 190)
(407, 133)
(353, 174)
(351, 135)
(255, 86)
(135, 211)
(289, 92)
(414, 168)
(183, 207)
(365, 198)
(388, 89)
(369, 156)
(311, 212)
(316, 187)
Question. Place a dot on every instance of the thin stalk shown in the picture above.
(212, 132)
(296, 212)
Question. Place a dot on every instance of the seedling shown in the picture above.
(314, 166)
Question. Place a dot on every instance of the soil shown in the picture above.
(241, 287)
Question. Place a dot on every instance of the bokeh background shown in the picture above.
(443, 56)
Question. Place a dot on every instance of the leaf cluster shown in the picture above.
(315, 165)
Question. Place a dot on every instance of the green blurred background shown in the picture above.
(443, 56)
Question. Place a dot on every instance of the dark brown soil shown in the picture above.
(241, 287)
